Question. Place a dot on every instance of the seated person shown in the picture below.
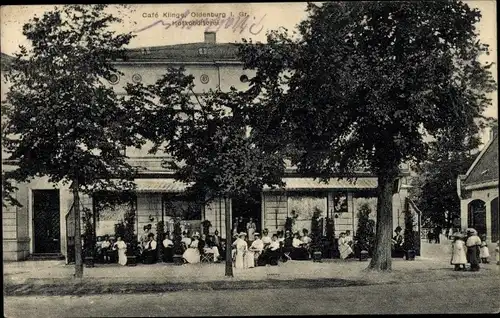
(112, 252)
(149, 254)
(266, 239)
(299, 250)
(192, 253)
(271, 252)
(254, 251)
(103, 250)
(281, 237)
(305, 237)
(287, 246)
(211, 248)
(168, 248)
(185, 240)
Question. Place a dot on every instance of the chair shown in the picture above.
(207, 257)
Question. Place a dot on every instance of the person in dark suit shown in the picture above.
(150, 253)
(241, 225)
(437, 234)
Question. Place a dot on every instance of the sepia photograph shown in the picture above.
(250, 159)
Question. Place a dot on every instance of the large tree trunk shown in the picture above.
(229, 258)
(78, 234)
(381, 258)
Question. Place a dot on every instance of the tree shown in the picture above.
(434, 189)
(206, 136)
(363, 82)
(64, 122)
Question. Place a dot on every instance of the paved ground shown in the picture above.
(426, 285)
(427, 298)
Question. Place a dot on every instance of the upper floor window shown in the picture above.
(203, 51)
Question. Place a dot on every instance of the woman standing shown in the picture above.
(345, 249)
(241, 248)
(251, 227)
(458, 257)
(122, 248)
(473, 245)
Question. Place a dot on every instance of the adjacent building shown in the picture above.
(45, 223)
(478, 192)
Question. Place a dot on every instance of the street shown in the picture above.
(452, 296)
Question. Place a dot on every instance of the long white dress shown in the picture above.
(241, 249)
(192, 254)
(458, 256)
(122, 248)
(484, 252)
(251, 230)
(345, 249)
(253, 253)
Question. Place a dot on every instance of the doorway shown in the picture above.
(248, 207)
(46, 223)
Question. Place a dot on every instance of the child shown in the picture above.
(484, 252)
(458, 256)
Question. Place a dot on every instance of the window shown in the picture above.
(203, 51)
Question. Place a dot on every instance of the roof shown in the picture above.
(169, 185)
(191, 52)
(485, 167)
(5, 60)
(362, 183)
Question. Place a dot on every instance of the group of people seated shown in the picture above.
(110, 251)
(261, 251)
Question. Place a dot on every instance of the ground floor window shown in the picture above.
(303, 206)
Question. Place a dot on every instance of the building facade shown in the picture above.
(45, 223)
(478, 192)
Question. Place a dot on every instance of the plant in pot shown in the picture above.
(178, 249)
(206, 224)
(330, 237)
(130, 238)
(316, 231)
(365, 234)
(160, 236)
(88, 242)
(409, 237)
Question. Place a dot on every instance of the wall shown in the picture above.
(215, 213)
(275, 209)
(487, 195)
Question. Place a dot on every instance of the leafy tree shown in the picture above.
(434, 189)
(363, 81)
(64, 121)
(206, 136)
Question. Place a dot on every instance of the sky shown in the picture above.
(259, 18)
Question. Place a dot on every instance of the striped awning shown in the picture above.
(160, 185)
(361, 183)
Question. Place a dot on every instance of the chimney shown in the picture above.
(210, 37)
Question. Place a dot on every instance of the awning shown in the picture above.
(160, 185)
(361, 183)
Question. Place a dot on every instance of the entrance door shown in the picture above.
(495, 221)
(477, 216)
(46, 221)
(248, 207)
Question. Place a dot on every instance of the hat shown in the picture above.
(256, 233)
(471, 230)
(196, 234)
(242, 234)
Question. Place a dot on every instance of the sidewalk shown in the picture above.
(55, 277)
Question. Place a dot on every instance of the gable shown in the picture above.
(486, 168)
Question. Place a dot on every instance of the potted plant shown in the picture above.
(409, 237)
(178, 250)
(206, 224)
(316, 231)
(365, 233)
(130, 238)
(160, 236)
(330, 237)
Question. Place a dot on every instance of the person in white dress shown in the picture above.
(185, 240)
(211, 248)
(458, 256)
(240, 247)
(168, 248)
(484, 252)
(345, 249)
(192, 254)
(251, 227)
(266, 239)
(121, 246)
(254, 251)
